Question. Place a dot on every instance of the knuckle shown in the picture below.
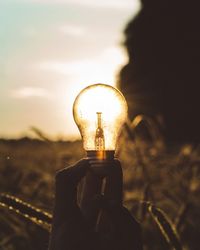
(63, 174)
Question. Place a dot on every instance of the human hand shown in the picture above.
(70, 230)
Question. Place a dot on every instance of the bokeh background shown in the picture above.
(49, 51)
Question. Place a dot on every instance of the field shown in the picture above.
(161, 187)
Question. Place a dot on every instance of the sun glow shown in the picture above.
(47, 59)
(78, 75)
(99, 104)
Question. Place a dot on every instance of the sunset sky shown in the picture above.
(49, 51)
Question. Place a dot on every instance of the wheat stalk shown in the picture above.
(26, 210)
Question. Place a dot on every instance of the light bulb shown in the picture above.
(99, 111)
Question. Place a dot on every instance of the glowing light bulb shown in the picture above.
(99, 112)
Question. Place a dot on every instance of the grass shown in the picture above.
(161, 186)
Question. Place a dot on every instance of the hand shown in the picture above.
(70, 230)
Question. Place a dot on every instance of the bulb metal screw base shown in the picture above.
(101, 155)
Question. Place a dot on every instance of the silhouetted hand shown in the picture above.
(70, 230)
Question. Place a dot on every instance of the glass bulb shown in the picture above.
(99, 112)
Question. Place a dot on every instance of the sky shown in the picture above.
(49, 51)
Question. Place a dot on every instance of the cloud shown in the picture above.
(27, 92)
(73, 30)
(109, 4)
(68, 68)
(102, 68)
(113, 56)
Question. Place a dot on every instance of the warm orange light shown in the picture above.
(99, 112)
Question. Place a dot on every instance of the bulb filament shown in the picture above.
(99, 137)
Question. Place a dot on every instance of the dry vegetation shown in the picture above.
(161, 187)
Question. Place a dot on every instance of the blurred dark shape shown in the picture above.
(162, 77)
(73, 229)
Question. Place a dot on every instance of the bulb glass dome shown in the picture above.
(99, 112)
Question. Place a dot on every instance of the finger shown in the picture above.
(114, 183)
(100, 161)
(128, 232)
(68, 223)
(72, 175)
(66, 186)
(100, 167)
(99, 170)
